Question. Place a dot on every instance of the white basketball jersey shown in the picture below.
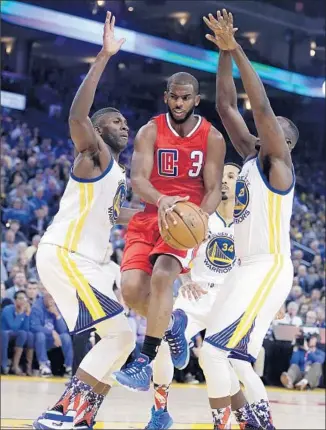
(215, 257)
(261, 214)
(88, 209)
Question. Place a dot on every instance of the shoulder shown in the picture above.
(147, 131)
(214, 134)
(8, 309)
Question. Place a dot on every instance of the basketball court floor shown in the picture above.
(24, 398)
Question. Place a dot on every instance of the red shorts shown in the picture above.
(144, 243)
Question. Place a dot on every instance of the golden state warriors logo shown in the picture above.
(241, 201)
(118, 200)
(220, 253)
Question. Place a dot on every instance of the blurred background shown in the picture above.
(47, 48)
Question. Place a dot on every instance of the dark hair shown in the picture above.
(230, 163)
(98, 114)
(19, 292)
(183, 78)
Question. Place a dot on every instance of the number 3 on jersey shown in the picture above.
(168, 162)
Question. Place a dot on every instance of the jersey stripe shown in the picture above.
(80, 283)
(257, 302)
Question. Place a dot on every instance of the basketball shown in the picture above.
(190, 230)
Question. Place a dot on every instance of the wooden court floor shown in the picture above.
(23, 399)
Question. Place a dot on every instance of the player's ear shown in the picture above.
(98, 129)
(197, 99)
(165, 97)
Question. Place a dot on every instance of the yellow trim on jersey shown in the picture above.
(80, 283)
(274, 222)
(257, 302)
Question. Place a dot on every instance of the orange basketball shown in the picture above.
(190, 230)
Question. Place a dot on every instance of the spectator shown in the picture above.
(4, 300)
(304, 308)
(31, 250)
(15, 321)
(291, 316)
(311, 319)
(321, 318)
(50, 331)
(315, 299)
(17, 212)
(313, 279)
(305, 366)
(12, 273)
(32, 291)
(4, 273)
(302, 277)
(296, 294)
(19, 285)
(9, 247)
(40, 221)
(14, 225)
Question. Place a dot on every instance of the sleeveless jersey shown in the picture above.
(88, 209)
(215, 257)
(261, 214)
(179, 161)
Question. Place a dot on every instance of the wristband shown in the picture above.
(159, 199)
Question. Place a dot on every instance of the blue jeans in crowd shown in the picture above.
(22, 338)
(43, 343)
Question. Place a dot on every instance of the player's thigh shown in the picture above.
(114, 326)
(273, 301)
(56, 274)
(240, 298)
(182, 257)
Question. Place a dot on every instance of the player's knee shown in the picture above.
(133, 289)
(216, 367)
(209, 356)
(161, 279)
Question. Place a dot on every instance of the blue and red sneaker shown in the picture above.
(136, 376)
(175, 336)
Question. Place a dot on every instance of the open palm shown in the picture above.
(222, 26)
(110, 45)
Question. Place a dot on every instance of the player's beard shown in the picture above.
(181, 120)
(112, 141)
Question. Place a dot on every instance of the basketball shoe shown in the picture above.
(54, 420)
(136, 376)
(160, 419)
(175, 336)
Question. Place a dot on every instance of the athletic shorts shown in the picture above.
(144, 244)
(247, 303)
(81, 288)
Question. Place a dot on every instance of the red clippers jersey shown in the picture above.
(179, 161)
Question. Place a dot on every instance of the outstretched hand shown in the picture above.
(110, 45)
(222, 27)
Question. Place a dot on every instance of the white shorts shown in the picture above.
(81, 288)
(248, 302)
(198, 312)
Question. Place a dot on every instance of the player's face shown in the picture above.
(181, 101)
(114, 131)
(230, 176)
(285, 128)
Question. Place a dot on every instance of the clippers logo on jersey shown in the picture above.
(118, 200)
(167, 162)
(241, 200)
(220, 253)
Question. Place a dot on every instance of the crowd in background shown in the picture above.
(34, 171)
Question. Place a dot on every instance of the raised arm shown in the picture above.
(213, 171)
(226, 96)
(82, 131)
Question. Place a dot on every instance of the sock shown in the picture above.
(263, 412)
(150, 347)
(161, 396)
(87, 411)
(222, 418)
(246, 417)
(72, 396)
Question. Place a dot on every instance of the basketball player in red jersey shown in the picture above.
(177, 156)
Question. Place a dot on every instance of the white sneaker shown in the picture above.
(45, 370)
(55, 420)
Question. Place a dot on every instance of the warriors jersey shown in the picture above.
(261, 214)
(215, 257)
(88, 209)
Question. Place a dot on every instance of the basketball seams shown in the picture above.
(181, 219)
(174, 237)
(191, 205)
